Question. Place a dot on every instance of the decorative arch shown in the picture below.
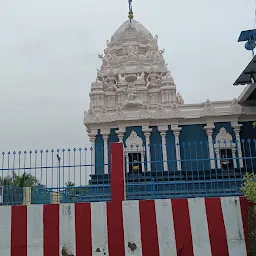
(134, 151)
(134, 143)
(224, 142)
(223, 139)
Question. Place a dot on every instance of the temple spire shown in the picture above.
(130, 16)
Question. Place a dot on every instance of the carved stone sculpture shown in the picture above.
(90, 117)
(132, 50)
(121, 79)
(132, 96)
(153, 80)
(134, 142)
(175, 111)
(208, 109)
(160, 113)
(141, 78)
(106, 60)
(167, 79)
(110, 82)
(131, 92)
(223, 138)
(145, 112)
(179, 99)
(97, 85)
(133, 72)
(104, 116)
(236, 108)
(119, 114)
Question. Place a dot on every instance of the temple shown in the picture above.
(134, 100)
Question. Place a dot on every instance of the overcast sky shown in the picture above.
(49, 48)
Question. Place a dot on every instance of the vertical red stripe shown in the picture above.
(216, 227)
(182, 227)
(19, 231)
(83, 229)
(115, 229)
(51, 230)
(244, 205)
(117, 172)
(149, 237)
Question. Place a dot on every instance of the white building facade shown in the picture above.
(134, 100)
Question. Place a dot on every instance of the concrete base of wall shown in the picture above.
(211, 226)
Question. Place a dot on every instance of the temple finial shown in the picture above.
(130, 16)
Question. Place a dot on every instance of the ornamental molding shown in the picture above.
(175, 111)
(223, 140)
(90, 117)
(133, 83)
(236, 108)
(134, 143)
(118, 115)
(160, 113)
(208, 109)
(133, 71)
(145, 112)
(191, 112)
(103, 117)
(167, 79)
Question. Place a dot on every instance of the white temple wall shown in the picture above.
(181, 147)
(140, 99)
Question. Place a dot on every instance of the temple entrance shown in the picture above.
(225, 150)
(134, 154)
(135, 165)
(226, 159)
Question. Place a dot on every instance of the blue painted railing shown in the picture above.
(72, 176)
(198, 173)
(52, 176)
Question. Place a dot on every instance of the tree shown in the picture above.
(13, 186)
(249, 186)
(70, 184)
(25, 180)
(254, 124)
(73, 193)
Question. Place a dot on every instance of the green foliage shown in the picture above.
(74, 193)
(249, 186)
(70, 184)
(25, 180)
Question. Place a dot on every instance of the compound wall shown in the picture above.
(182, 227)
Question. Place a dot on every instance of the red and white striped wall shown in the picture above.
(182, 227)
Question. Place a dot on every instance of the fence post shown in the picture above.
(117, 172)
(55, 197)
(116, 240)
(26, 195)
(153, 189)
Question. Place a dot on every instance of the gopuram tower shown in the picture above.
(133, 86)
